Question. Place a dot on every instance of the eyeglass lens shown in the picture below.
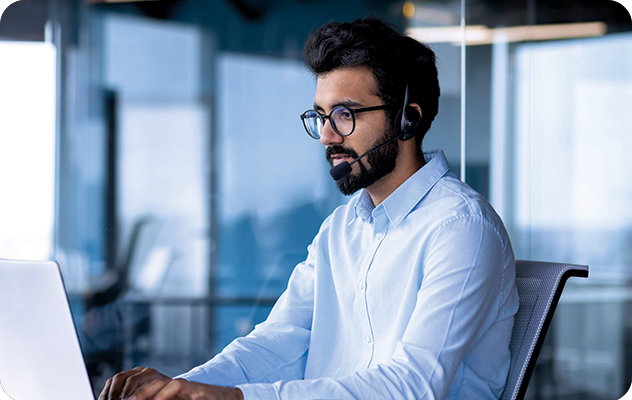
(313, 122)
(341, 119)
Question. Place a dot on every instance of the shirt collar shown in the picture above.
(402, 201)
(364, 205)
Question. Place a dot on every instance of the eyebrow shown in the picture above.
(344, 103)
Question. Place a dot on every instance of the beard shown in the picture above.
(381, 162)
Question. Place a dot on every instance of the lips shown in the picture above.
(337, 154)
(339, 158)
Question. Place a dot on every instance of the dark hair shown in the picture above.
(394, 59)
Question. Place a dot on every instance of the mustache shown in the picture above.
(337, 149)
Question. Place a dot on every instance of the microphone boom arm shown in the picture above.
(344, 168)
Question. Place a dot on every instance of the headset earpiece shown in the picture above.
(407, 120)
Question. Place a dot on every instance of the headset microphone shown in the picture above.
(344, 168)
(341, 170)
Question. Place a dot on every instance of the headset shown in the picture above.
(407, 120)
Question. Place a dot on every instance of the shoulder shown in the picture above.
(451, 198)
(453, 205)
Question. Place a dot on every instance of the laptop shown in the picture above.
(40, 356)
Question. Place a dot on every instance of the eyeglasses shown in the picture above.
(341, 118)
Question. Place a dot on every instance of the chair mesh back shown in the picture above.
(539, 287)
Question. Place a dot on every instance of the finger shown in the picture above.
(106, 390)
(118, 381)
(142, 377)
(148, 390)
(175, 389)
(180, 389)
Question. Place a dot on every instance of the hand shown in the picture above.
(181, 389)
(124, 383)
(147, 383)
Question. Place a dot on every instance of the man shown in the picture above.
(408, 290)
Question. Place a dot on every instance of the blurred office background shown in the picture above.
(154, 149)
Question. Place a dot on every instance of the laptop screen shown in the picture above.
(40, 356)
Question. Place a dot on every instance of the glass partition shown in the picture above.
(556, 87)
(187, 189)
(572, 199)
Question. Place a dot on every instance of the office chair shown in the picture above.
(540, 286)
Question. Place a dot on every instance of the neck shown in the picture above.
(409, 161)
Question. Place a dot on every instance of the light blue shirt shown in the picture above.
(412, 299)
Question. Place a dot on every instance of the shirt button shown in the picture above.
(361, 285)
(379, 236)
(368, 339)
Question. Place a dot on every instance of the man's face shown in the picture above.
(356, 88)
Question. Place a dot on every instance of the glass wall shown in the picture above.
(572, 198)
(547, 87)
(187, 189)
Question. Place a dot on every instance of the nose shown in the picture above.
(328, 136)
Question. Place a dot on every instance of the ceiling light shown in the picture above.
(480, 34)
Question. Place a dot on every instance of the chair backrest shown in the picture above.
(540, 286)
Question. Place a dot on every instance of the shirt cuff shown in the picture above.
(258, 391)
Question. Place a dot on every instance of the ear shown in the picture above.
(407, 121)
(416, 107)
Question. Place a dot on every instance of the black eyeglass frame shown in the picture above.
(353, 111)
